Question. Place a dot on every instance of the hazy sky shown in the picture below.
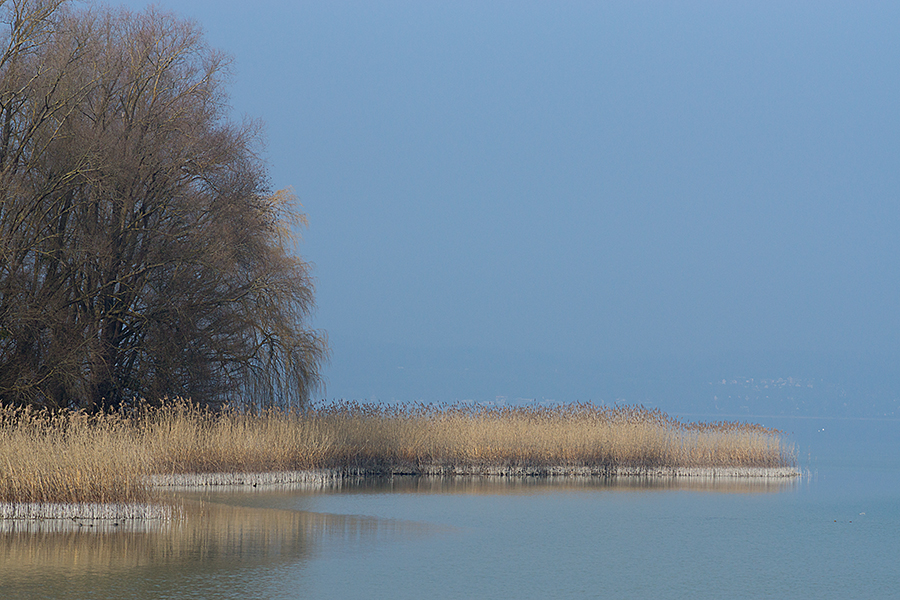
(505, 187)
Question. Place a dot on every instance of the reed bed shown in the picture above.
(70, 457)
(572, 435)
(75, 457)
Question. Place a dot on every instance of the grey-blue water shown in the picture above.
(834, 534)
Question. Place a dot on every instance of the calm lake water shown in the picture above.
(834, 534)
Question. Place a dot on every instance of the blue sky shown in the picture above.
(585, 200)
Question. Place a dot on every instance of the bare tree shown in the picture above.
(142, 252)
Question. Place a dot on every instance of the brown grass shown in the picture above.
(74, 457)
(70, 457)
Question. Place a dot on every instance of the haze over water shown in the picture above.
(588, 201)
(692, 206)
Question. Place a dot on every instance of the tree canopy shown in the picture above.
(142, 251)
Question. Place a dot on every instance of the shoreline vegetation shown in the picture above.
(51, 460)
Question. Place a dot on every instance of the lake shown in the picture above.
(833, 534)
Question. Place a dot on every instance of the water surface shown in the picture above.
(832, 534)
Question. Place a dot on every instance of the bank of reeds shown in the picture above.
(74, 457)
(70, 457)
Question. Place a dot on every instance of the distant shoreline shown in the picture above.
(87, 513)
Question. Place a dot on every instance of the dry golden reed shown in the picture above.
(571, 435)
(69, 457)
(75, 457)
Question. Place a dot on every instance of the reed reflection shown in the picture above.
(514, 485)
(204, 545)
